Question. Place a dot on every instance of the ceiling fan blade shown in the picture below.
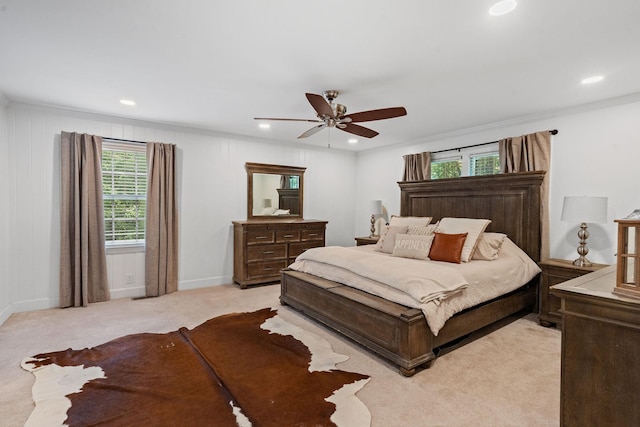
(358, 130)
(313, 130)
(287, 120)
(320, 104)
(381, 114)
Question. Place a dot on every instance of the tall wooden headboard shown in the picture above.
(511, 201)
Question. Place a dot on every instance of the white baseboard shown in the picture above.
(135, 292)
(204, 283)
(5, 314)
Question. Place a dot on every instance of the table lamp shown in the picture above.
(584, 209)
(375, 207)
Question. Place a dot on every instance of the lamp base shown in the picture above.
(582, 262)
(583, 249)
(373, 226)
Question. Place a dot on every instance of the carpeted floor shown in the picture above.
(507, 376)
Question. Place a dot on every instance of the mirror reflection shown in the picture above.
(274, 191)
(275, 194)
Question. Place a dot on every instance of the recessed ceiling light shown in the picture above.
(352, 141)
(503, 7)
(592, 79)
(130, 102)
(264, 125)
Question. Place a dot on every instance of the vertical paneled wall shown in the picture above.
(211, 182)
(5, 289)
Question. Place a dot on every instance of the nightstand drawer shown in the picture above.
(266, 252)
(554, 272)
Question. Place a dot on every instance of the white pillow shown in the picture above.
(413, 246)
(488, 248)
(282, 212)
(422, 231)
(387, 240)
(473, 228)
(413, 221)
(268, 211)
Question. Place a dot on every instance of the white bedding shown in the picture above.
(468, 284)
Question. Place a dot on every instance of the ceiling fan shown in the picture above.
(335, 115)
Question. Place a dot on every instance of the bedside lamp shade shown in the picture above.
(584, 209)
(375, 208)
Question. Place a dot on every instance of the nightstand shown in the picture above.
(367, 240)
(556, 271)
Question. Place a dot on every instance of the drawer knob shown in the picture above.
(288, 236)
(267, 252)
(261, 237)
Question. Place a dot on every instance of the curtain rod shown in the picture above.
(124, 140)
(552, 132)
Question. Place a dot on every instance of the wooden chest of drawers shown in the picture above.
(261, 248)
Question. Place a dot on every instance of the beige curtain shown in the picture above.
(83, 261)
(417, 167)
(161, 231)
(530, 153)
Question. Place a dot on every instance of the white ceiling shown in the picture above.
(217, 64)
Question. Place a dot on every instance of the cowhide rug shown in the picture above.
(238, 369)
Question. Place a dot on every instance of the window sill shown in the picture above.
(124, 248)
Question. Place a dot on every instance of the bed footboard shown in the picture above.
(395, 332)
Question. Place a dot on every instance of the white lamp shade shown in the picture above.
(375, 207)
(584, 209)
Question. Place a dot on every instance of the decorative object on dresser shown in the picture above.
(600, 368)
(584, 209)
(375, 208)
(628, 264)
(368, 240)
(556, 271)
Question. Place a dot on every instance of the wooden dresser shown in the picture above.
(555, 271)
(600, 379)
(261, 248)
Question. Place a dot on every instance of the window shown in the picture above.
(124, 192)
(446, 168)
(470, 162)
(484, 164)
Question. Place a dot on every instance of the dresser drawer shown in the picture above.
(257, 237)
(288, 236)
(296, 249)
(265, 269)
(557, 275)
(266, 252)
(312, 234)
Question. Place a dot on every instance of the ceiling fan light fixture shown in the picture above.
(502, 7)
(129, 102)
(352, 141)
(264, 126)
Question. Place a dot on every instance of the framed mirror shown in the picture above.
(274, 191)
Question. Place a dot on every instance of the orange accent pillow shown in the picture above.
(447, 247)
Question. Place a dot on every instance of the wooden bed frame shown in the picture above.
(398, 333)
